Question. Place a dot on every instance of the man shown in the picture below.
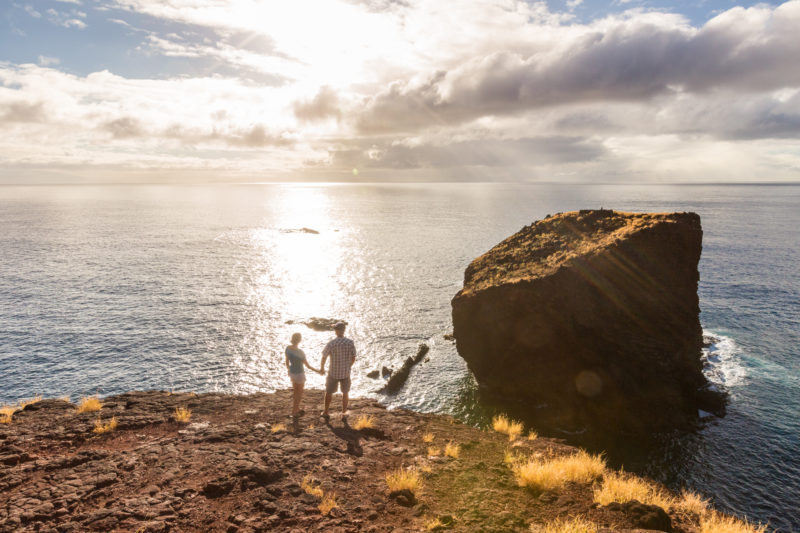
(342, 352)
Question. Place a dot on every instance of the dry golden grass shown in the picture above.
(89, 404)
(452, 450)
(433, 451)
(404, 479)
(532, 435)
(542, 475)
(434, 524)
(328, 503)
(7, 411)
(427, 438)
(363, 422)
(182, 415)
(717, 523)
(7, 414)
(622, 487)
(278, 427)
(690, 502)
(512, 428)
(574, 525)
(108, 427)
(311, 486)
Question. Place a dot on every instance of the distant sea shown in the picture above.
(106, 289)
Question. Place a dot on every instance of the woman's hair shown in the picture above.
(296, 338)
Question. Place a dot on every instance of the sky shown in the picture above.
(399, 90)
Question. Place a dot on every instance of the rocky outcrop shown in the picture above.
(594, 313)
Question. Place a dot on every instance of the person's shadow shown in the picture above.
(350, 436)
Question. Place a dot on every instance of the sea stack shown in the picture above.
(593, 313)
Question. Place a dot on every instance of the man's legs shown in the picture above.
(328, 397)
(344, 402)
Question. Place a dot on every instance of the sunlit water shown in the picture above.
(109, 289)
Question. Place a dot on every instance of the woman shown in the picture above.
(295, 360)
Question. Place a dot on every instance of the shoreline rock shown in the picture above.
(237, 467)
(594, 313)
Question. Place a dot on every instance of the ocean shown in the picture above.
(107, 289)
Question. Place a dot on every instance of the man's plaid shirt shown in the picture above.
(341, 350)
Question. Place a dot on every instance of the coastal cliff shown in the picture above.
(159, 461)
(594, 313)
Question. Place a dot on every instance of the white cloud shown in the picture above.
(47, 61)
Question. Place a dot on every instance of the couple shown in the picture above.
(342, 352)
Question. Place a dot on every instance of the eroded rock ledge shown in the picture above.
(594, 313)
(238, 467)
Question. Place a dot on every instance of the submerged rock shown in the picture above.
(398, 379)
(318, 324)
(592, 312)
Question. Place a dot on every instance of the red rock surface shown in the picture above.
(594, 313)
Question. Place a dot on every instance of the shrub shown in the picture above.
(427, 438)
(311, 486)
(574, 525)
(622, 487)
(101, 428)
(452, 450)
(404, 479)
(718, 523)
(182, 415)
(328, 503)
(542, 475)
(363, 422)
(89, 404)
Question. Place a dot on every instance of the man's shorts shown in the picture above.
(332, 384)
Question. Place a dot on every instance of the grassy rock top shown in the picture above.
(546, 245)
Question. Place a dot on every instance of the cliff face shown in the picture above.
(594, 312)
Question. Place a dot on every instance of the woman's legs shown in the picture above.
(297, 397)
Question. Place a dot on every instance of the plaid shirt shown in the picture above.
(341, 350)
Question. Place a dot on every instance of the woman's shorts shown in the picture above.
(332, 384)
(298, 379)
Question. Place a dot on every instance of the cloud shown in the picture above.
(629, 58)
(323, 106)
(483, 89)
(47, 61)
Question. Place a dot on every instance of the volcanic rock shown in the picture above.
(594, 313)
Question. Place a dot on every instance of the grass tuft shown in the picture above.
(278, 427)
(427, 438)
(182, 415)
(312, 486)
(622, 487)
(433, 451)
(108, 427)
(512, 428)
(718, 523)
(7, 411)
(532, 435)
(24, 403)
(363, 422)
(543, 475)
(328, 503)
(404, 479)
(89, 404)
(691, 503)
(452, 450)
(574, 525)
